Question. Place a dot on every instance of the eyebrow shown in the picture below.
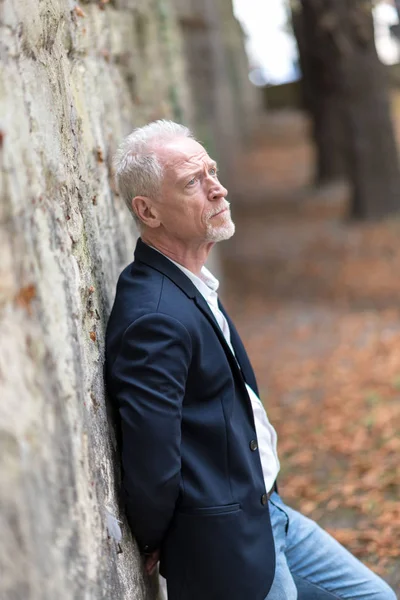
(211, 165)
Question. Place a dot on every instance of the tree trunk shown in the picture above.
(352, 92)
(319, 102)
(397, 5)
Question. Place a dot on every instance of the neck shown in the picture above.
(193, 256)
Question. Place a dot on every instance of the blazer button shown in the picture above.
(264, 499)
(253, 445)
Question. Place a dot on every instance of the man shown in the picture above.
(199, 454)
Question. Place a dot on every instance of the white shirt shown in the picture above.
(266, 434)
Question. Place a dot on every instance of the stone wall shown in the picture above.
(227, 104)
(74, 81)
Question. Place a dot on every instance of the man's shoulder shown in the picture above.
(142, 290)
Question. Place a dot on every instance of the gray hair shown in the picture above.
(137, 168)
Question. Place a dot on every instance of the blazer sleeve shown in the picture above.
(149, 379)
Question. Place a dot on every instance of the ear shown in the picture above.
(146, 211)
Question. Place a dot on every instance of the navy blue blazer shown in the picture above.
(192, 480)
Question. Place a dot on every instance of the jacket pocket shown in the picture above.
(209, 511)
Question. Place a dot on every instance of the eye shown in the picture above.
(191, 182)
(213, 171)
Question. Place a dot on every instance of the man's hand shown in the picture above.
(151, 561)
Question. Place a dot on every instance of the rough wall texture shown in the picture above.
(227, 105)
(74, 81)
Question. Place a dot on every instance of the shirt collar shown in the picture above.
(207, 284)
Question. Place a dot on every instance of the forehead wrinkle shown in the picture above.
(197, 162)
(181, 160)
(193, 160)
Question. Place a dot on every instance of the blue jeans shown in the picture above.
(307, 553)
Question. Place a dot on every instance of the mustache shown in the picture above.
(215, 211)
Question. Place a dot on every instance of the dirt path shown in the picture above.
(317, 301)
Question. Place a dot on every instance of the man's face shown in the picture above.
(193, 205)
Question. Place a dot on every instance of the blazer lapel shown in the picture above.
(205, 309)
(158, 261)
(241, 353)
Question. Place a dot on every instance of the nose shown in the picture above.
(217, 191)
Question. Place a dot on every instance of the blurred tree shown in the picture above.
(319, 100)
(397, 5)
(346, 92)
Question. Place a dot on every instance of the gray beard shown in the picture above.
(221, 232)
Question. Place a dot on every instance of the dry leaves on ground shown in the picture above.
(317, 305)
